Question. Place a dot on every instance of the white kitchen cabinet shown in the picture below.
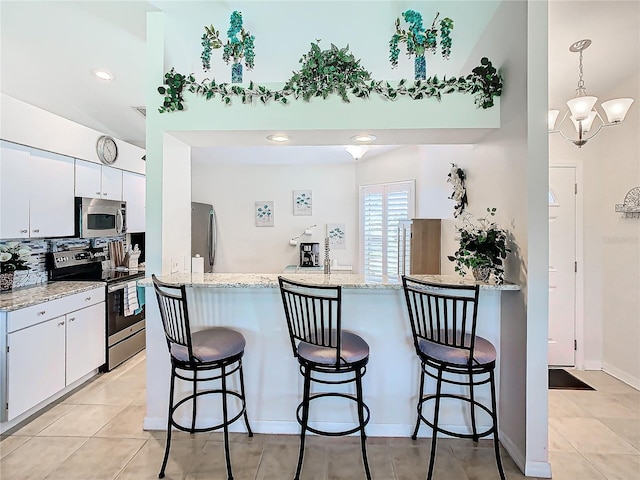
(50, 346)
(134, 193)
(86, 337)
(14, 197)
(35, 364)
(37, 194)
(93, 180)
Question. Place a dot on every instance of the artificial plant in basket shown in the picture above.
(482, 248)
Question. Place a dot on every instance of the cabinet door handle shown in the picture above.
(104, 193)
(72, 319)
(87, 299)
(36, 230)
(97, 193)
(24, 231)
(60, 324)
(42, 312)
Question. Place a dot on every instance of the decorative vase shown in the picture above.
(420, 67)
(6, 282)
(482, 274)
(236, 73)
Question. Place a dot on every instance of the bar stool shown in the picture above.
(314, 319)
(214, 353)
(443, 324)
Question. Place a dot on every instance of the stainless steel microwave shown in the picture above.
(100, 218)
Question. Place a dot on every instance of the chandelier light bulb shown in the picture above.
(581, 107)
(586, 123)
(553, 117)
(617, 109)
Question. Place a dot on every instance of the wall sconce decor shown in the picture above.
(582, 111)
(307, 231)
(630, 208)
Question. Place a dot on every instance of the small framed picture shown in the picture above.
(337, 236)
(264, 213)
(302, 202)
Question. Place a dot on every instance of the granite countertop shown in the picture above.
(346, 280)
(33, 295)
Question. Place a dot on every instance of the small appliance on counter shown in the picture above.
(309, 254)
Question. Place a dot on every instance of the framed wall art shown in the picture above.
(264, 213)
(337, 236)
(302, 202)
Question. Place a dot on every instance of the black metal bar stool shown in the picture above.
(313, 314)
(443, 323)
(214, 353)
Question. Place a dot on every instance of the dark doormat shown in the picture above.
(560, 379)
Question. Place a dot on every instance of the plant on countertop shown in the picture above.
(14, 256)
(482, 245)
(420, 40)
(235, 50)
(457, 177)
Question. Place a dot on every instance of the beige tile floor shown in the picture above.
(96, 433)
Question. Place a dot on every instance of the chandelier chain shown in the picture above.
(581, 90)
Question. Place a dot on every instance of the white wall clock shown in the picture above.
(107, 150)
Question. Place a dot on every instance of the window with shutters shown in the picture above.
(382, 206)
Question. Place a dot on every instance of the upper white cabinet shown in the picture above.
(134, 193)
(36, 194)
(98, 181)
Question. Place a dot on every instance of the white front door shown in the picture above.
(562, 265)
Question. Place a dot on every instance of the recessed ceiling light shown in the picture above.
(365, 137)
(102, 74)
(279, 138)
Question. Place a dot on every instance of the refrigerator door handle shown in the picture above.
(212, 238)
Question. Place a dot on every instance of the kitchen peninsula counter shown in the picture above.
(346, 280)
(374, 309)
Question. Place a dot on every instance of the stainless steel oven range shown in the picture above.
(125, 328)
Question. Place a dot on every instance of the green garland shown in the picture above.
(325, 72)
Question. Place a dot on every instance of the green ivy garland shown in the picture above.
(335, 70)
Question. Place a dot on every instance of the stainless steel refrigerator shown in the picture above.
(204, 233)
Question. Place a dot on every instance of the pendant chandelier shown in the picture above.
(582, 111)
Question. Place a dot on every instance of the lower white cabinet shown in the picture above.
(85, 342)
(36, 367)
(50, 346)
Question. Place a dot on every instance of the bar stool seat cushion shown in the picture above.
(211, 345)
(353, 350)
(484, 351)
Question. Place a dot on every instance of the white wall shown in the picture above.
(243, 247)
(31, 126)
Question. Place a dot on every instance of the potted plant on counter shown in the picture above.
(13, 256)
(483, 248)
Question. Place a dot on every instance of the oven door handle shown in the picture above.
(115, 288)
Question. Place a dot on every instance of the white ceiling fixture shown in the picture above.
(364, 138)
(582, 111)
(102, 74)
(356, 151)
(278, 138)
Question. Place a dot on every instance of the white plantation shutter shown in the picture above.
(381, 207)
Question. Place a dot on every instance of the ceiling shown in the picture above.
(49, 49)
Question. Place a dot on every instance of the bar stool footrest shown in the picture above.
(339, 433)
(439, 429)
(214, 427)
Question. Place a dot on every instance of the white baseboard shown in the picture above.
(592, 365)
(509, 445)
(622, 375)
(538, 469)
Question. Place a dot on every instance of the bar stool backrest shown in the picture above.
(442, 314)
(172, 301)
(313, 314)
